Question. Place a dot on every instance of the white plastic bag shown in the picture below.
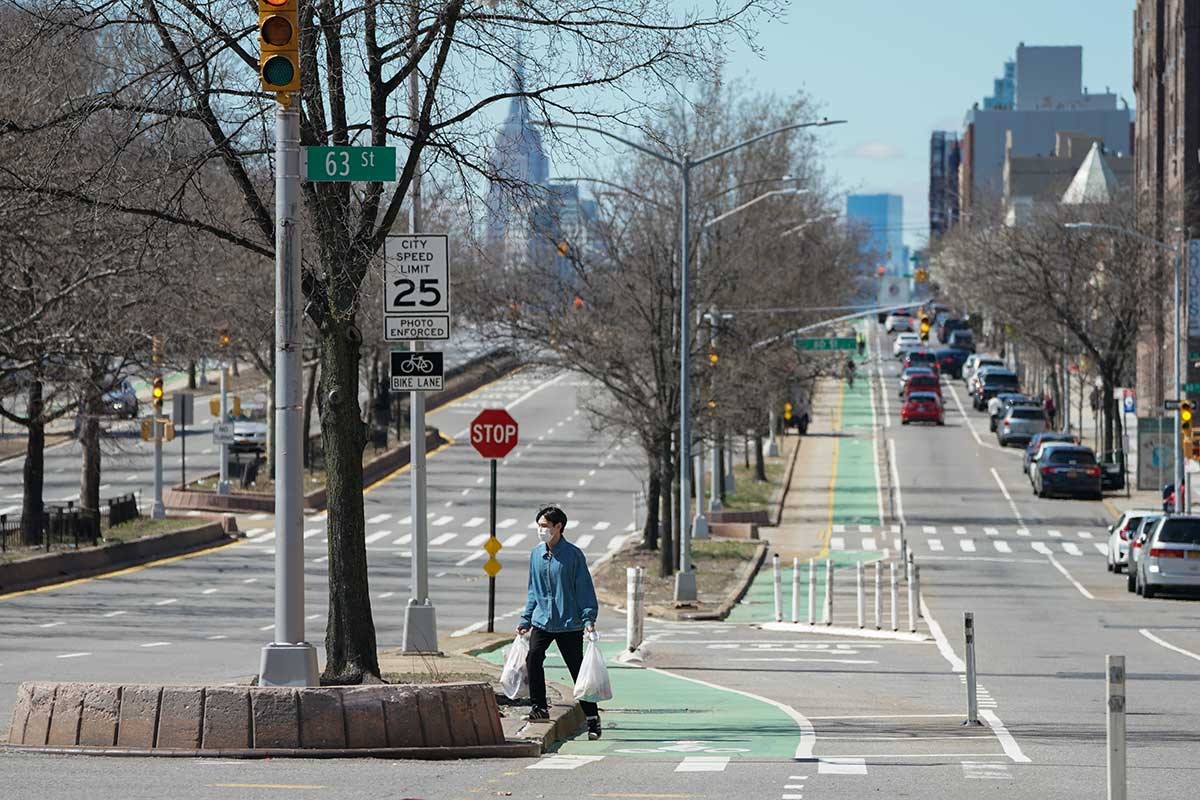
(593, 684)
(514, 679)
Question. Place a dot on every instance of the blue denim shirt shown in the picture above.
(561, 595)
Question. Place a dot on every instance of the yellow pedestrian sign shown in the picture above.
(491, 567)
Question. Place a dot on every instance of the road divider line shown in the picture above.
(1082, 590)
(72, 655)
(891, 448)
(1011, 748)
(875, 445)
(1163, 643)
(1008, 497)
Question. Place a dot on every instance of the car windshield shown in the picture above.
(1180, 531)
(1000, 379)
(1025, 413)
(1080, 458)
(252, 414)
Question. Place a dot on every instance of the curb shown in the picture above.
(787, 483)
(833, 630)
(506, 750)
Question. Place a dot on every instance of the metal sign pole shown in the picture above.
(223, 474)
(157, 511)
(492, 578)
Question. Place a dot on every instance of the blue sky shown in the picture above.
(899, 69)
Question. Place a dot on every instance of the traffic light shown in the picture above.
(223, 338)
(925, 326)
(713, 357)
(157, 393)
(921, 275)
(1185, 425)
(279, 45)
(787, 411)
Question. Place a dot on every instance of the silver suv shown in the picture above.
(1019, 424)
(1170, 557)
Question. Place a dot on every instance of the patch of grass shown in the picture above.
(437, 677)
(750, 494)
(712, 549)
(718, 568)
(144, 526)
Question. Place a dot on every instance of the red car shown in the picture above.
(925, 384)
(923, 358)
(922, 407)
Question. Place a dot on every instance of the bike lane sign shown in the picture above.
(420, 371)
(416, 287)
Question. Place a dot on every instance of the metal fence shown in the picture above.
(68, 526)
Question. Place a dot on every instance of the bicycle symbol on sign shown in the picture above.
(684, 746)
(418, 363)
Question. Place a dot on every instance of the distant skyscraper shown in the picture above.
(1004, 89)
(520, 168)
(881, 216)
(944, 157)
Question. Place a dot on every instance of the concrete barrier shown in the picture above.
(734, 530)
(457, 720)
(44, 570)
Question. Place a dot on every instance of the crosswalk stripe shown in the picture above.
(1101, 548)
(266, 537)
(837, 543)
(959, 529)
(405, 539)
(936, 545)
(928, 529)
(601, 526)
(1084, 534)
(1023, 532)
(864, 528)
(473, 522)
(1001, 546)
(372, 538)
(478, 540)
(562, 761)
(1072, 548)
(445, 537)
(514, 540)
(703, 764)
(407, 520)
(443, 520)
(868, 543)
(311, 532)
(506, 523)
(616, 542)
(842, 766)
(1040, 547)
(991, 531)
(1054, 533)
(257, 517)
(967, 545)
(583, 541)
(378, 518)
(839, 528)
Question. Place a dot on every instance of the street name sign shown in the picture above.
(826, 343)
(417, 371)
(1191, 388)
(416, 287)
(494, 433)
(350, 163)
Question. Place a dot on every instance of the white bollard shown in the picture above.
(903, 541)
(796, 590)
(878, 596)
(778, 588)
(895, 594)
(858, 581)
(972, 701)
(1114, 718)
(829, 591)
(812, 592)
(634, 608)
(912, 597)
(917, 590)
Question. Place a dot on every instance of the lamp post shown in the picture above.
(1177, 251)
(685, 579)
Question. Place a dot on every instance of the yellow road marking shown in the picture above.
(264, 786)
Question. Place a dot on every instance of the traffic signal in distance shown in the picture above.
(713, 358)
(1185, 423)
(279, 45)
(157, 393)
(925, 326)
(223, 338)
(787, 410)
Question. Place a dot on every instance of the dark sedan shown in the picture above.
(1069, 470)
(1038, 440)
(951, 361)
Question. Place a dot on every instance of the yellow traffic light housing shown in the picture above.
(223, 338)
(925, 326)
(156, 392)
(713, 358)
(1186, 433)
(787, 410)
(279, 45)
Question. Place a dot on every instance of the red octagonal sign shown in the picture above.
(494, 433)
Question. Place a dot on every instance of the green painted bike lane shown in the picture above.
(657, 714)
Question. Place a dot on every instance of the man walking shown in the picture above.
(561, 606)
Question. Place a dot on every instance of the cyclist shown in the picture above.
(850, 370)
(862, 343)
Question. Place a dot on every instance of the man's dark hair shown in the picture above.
(554, 515)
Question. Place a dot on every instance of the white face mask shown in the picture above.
(543, 534)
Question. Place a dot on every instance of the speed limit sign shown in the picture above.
(416, 287)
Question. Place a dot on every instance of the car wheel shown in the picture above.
(1148, 591)
(903, 422)
(1130, 583)
(941, 422)
(1117, 568)
(1108, 565)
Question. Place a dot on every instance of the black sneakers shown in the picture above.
(537, 714)
(593, 728)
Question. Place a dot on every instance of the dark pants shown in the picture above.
(570, 645)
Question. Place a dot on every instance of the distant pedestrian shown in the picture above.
(1051, 411)
(862, 343)
(561, 606)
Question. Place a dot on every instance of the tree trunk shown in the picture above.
(760, 466)
(746, 450)
(33, 475)
(233, 363)
(350, 652)
(191, 370)
(650, 528)
(89, 442)
(666, 540)
(720, 487)
(310, 393)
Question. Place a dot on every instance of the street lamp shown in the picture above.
(1177, 251)
(685, 579)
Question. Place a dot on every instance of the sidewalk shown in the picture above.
(1118, 502)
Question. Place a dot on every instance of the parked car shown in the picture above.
(906, 342)
(974, 363)
(998, 406)
(1137, 543)
(1019, 424)
(1119, 535)
(1067, 469)
(950, 361)
(120, 401)
(922, 407)
(949, 326)
(250, 429)
(1170, 557)
(898, 321)
(962, 340)
(923, 358)
(1038, 440)
(991, 382)
(922, 383)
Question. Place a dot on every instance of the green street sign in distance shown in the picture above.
(1191, 388)
(350, 163)
(826, 343)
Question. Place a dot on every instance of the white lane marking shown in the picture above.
(1008, 497)
(168, 601)
(311, 532)
(837, 543)
(216, 636)
(210, 591)
(378, 518)
(72, 655)
(407, 520)
(405, 539)
(928, 529)
(443, 539)
(601, 526)
(445, 519)
(114, 614)
(371, 538)
(939, 638)
(875, 449)
(320, 560)
(570, 494)
(1084, 534)
(703, 764)
(250, 580)
(478, 540)
(8, 509)
(51, 624)
(591, 472)
(864, 528)
(936, 545)
(470, 558)
(1072, 548)
(515, 539)
(985, 771)
(967, 545)
(1101, 548)
(480, 480)
(507, 523)
(267, 627)
(563, 761)
(891, 449)
(465, 492)
(868, 543)
(1054, 533)
(473, 522)
(959, 529)
(616, 542)
(313, 616)
(1042, 547)
(1023, 532)
(386, 595)
(583, 541)
(259, 517)
(839, 528)
(155, 644)
(991, 532)
(1001, 546)
(1168, 645)
(250, 534)
(1069, 577)
(1011, 748)
(842, 766)
(266, 537)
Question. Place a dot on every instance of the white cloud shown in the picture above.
(874, 151)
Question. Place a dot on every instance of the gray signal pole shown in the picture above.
(223, 467)
(288, 660)
(420, 617)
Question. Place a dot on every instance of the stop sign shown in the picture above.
(494, 433)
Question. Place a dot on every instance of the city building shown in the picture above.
(1003, 88)
(944, 156)
(881, 217)
(1166, 50)
(1079, 171)
(1048, 97)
